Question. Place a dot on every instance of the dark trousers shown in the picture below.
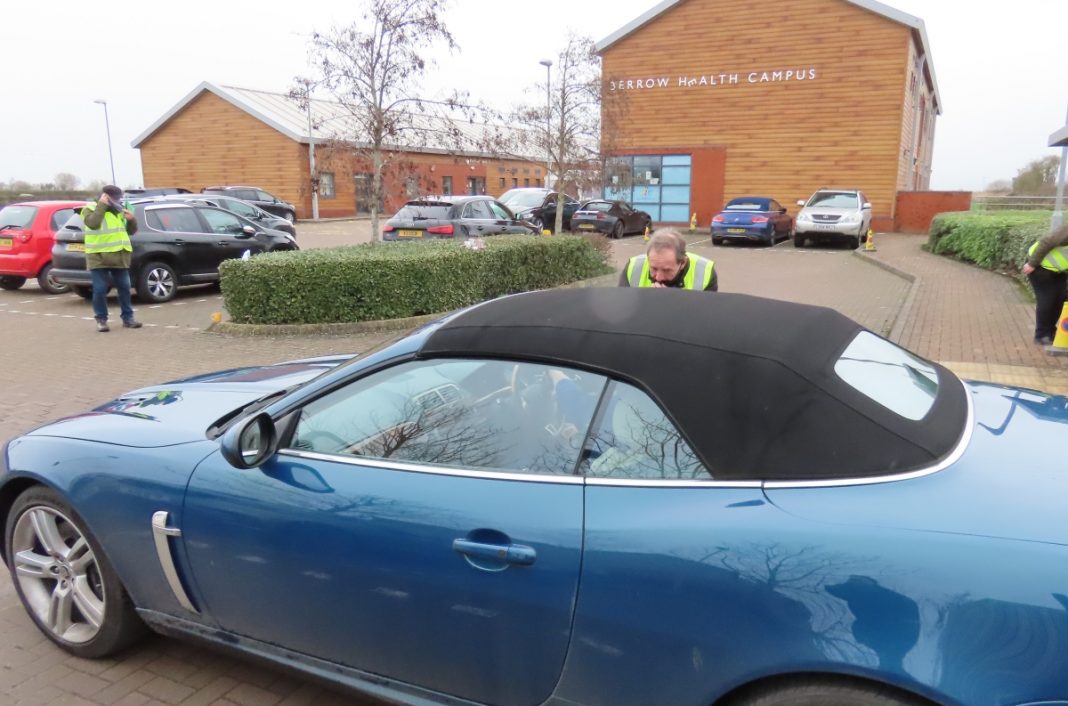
(1049, 299)
(103, 277)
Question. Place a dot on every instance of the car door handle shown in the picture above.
(179, 241)
(518, 554)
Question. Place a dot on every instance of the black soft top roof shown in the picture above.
(749, 381)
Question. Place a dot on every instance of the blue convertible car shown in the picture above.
(591, 496)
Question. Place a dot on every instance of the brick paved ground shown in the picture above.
(954, 313)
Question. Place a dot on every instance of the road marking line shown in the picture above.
(50, 314)
(87, 318)
(13, 311)
(698, 242)
(69, 316)
(51, 299)
(173, 326)
(156, 306)
(28, 301)
(178, 303)
(152, 325)
(201, 300)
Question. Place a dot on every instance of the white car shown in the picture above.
(842, 215)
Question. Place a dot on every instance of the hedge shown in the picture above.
(397, 280)
(996, 240)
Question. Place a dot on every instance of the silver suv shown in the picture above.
(843, 215)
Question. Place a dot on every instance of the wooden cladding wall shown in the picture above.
(212, 142)
(783, 138)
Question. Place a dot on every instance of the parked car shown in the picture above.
(613, 218)
(579, 496)
(453, 217)
(258, 197)
(538, 206)
(242, 208)
(156, 191)
(176, 244)
(837, 215)
(26, 231)
(752, 218)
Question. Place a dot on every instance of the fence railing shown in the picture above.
(1013, 203)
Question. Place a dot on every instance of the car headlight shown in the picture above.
(804, 218)
(850, 218)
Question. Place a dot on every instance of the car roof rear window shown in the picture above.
(17, 216)
(898, 380)
(424, 210)
(597, 206)
(748, 204)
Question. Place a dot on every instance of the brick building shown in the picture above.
(726, 98)
(227, 135)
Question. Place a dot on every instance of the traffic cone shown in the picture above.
(1060, 340)
(693, 222)
(869, 243)
(646, 235)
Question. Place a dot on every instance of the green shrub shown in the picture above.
(396, 280)
(996, 240)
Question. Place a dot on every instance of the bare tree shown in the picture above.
(66, 182)
(372, 69)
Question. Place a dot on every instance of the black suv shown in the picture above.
(176, 244)
(538, 206)
(257, 196)
(238, 206)
(155, 191)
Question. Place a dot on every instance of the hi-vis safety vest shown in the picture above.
(1056, 260)
(698, 275)
(111, 236)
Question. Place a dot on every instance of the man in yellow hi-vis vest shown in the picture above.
(666, 264)
(108, 227)
(1047, 268)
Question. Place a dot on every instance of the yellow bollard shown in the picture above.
(1060, 340)
(869, 243)
(693, 222)
(646, 235)
(216, 317)
(546, 231)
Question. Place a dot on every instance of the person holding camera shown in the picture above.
(1047, 270)
(108, 227)
(666, 264)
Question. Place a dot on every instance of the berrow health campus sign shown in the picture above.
(733, 78)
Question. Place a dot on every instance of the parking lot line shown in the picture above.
(155, 306)
(28, 301)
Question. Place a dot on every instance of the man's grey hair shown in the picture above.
(667, 239)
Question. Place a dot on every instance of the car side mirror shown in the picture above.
(801, 203)
(782, 210)
(251, 442)
(867, 206)
(246, 232)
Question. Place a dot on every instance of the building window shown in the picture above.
(526, 182)
(502, 182)
(411, 187)
(326, 185)
(526, 170)
(657, 184)
(446, 186)
(515, 182)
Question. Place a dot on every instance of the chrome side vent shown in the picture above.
(161, 533)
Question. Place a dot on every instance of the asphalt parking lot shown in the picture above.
(51, 357)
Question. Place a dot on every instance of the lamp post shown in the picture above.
(548, 64)
(107, 128)
(311, 154)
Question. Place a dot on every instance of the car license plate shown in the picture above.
(75, 247)
(6, 242)
(586, 226)
(409, 234)
(736, 230)
(826, 226)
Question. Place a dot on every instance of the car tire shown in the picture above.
(717, 241)
(11, 282)
(853, 242)
(68, 568)
(822, 692)
(799, 240)
(48, 284)
(157, 282)
(771, 238)
(536, 222)
(617, 230)
(82, 291)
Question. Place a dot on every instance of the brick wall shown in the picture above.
(915, 209)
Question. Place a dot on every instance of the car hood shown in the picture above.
(182, 411)
(1010, 481)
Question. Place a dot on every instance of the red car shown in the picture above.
(26, 231)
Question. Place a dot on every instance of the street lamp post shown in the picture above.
(547, 63)
(107, 128)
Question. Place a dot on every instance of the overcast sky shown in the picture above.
(1002, 70)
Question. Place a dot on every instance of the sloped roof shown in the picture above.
(915, 23)
(1059, 138)
(330, 120)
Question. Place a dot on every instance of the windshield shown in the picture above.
(519, 200)
(834, 199)
(17, 216)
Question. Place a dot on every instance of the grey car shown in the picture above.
(839, 215)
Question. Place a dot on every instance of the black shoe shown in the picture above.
(131, 323)
(102, 325)
(1044, 340)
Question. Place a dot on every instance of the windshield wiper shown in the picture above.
(10, 225)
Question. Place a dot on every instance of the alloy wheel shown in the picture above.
(58, 574)
(160, 283)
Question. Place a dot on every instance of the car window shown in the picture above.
(746, 205)
(521, 200)
(175, 220)
(472, 414)
(264, 196)
(477, 209)
(423, 211)
(834, 199)
(220, 221)
(635, 440)
(60, 217)
(893, 377)
(775, 205)
(17, 216)
(602, 206)
(624, 208)
(499, 211)
(244, 194)
(240, 207)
